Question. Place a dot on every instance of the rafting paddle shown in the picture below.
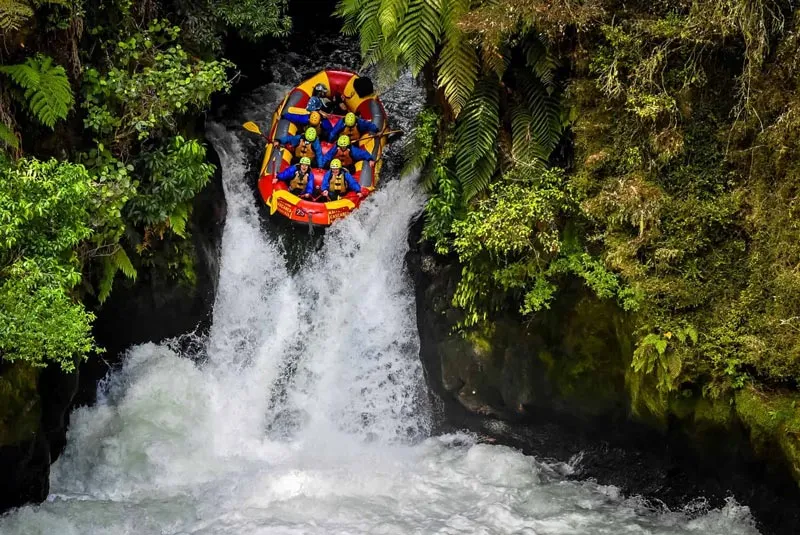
(268, 186)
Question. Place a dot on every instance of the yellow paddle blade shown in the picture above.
(252, 127)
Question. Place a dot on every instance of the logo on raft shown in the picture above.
(337, 213)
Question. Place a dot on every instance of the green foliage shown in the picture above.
(117, 261)
(511, 246)
(8, 137)
(47, 93)
(149, 83)
(41, 322)
(13, 14)
(254, 19)
(421, 148)
(175, 173)
(44, 215)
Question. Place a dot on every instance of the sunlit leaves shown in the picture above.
(44, 214)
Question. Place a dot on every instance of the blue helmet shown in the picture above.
(314, 104)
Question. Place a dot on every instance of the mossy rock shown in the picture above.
(20, 407)
(773, 420)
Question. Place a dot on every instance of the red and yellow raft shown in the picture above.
(278, 198)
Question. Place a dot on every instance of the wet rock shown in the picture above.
(556, 388)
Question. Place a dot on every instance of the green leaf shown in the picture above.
(48, 94)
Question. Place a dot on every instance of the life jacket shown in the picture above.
(338, 183)
(344, 156)
(351, 132)
(300, 179)
(304, 148)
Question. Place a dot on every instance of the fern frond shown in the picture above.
(525, 149)
(119, 261)
(457, 70)
(13, 14)
(495, 59)
(48, 94)
(476, 135)
(539, 59)
(545, 123)
(420, 33)
(391, 14)
(177, 220)
(8, 136)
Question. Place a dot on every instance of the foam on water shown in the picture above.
(307, 413)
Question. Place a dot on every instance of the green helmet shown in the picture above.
(350, 119)
(310, 134)
(336, 163)
(343, 141)
(305, 160)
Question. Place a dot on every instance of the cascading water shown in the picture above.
(306, 411)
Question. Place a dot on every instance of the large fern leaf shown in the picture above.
(420, 32)
(457, 71)
(540, 61)
(118, 261)
(525, 148)
(48, 94)
(8, 136)
(544, 110)
(476, 136)
(13, 14)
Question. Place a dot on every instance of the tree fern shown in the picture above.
(13, 14)
(48, 94)
(476, 136)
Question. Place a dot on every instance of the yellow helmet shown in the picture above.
(310, 134)
(350, 119)
(305, 160)
(343, 141)
(314, 118)
(336, 164)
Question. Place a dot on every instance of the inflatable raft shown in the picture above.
(318, 212)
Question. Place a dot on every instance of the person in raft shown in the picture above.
(353, 127)
(313, 120)
(296, 176)
(347, 154)
(306, 145)
(336, 182)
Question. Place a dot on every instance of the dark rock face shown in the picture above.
(556, 389)
(31, 443)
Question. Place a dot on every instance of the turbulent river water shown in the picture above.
(304, 409)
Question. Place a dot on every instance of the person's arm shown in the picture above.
(351, 181)
(367, 126)
(327, 157)
(326, 180)
(317, 146)
(360, 154)
(287, 174)
(296, 118)
(288, 140)
(310, 185)
(336, 129)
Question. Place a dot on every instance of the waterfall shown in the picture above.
(305, 411)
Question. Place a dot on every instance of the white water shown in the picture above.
(307, 413)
